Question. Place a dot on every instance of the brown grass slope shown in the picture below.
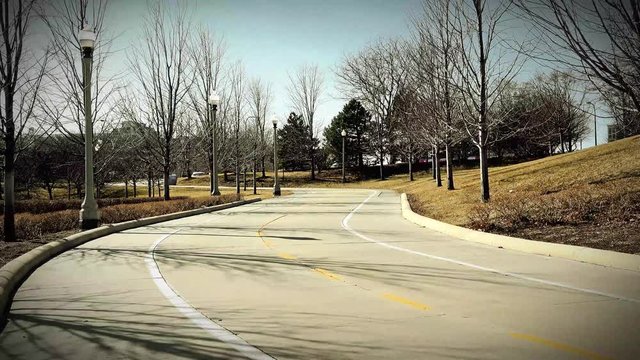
(589, 197)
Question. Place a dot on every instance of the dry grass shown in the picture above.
(588, 198)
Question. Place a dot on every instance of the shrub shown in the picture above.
(32, 226)
(41, 206)
(511, 212)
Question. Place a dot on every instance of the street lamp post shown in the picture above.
(89, 214)
(595, 124)
(214, 99)
(276, 185)
(344, 134)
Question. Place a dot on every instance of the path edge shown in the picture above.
(572, 252)
(15, 272)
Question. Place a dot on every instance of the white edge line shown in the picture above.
(194, 315)
(345, 225)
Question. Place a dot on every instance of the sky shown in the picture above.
(273, 37)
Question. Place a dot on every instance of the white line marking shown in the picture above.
(345, 225)
(194, 315)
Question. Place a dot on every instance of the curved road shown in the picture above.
(321, 274)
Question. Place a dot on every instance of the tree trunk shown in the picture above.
(237, 178)
(165, 171)
(437, 167)
(226, 176)
(68, 189)
(484, 173)
(360, 154)
(447, 149)
(433, 163)
(264, 173)
(135, 189)
(410, 166)
(126, 189)
(50, 191)
(244, 179)
(149, 185)
(9, 169)
(313, 163)
(188, 159)
(381, 165)
(159, 187)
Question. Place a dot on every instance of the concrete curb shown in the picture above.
(14, 273)
(571, 252)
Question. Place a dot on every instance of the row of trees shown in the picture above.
(453, 81)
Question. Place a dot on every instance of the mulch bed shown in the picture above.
(615, 236)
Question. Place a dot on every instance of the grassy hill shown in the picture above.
(590, 197)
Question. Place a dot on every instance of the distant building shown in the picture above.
(612, 133)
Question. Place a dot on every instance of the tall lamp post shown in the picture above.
(595, 124)
(89, 214)
(214, 100)
(276, 185)
(344, 134)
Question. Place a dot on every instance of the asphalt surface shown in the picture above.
(321, 274)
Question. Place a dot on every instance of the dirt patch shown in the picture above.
(11, 250)
(607, 236)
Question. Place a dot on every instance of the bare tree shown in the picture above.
(207, 52)
(488, 63)
(432, 57)
(63, 103)
(237, 104)
(375, 76)
(260, 99)
(305, 90)
(567, 121)
(161, 65)
(598, 38)
(21, 75)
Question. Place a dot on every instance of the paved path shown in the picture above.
(322, 274)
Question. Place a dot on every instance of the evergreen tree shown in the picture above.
(354, 119)
(293, 142)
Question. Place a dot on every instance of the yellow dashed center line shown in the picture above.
(405, 301)
(286, 256)
(559, 346)
(329, 275)
(268, 243)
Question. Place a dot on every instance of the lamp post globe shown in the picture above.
(214, 100)
(276, 185)
(87, 38)
(89, 214)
